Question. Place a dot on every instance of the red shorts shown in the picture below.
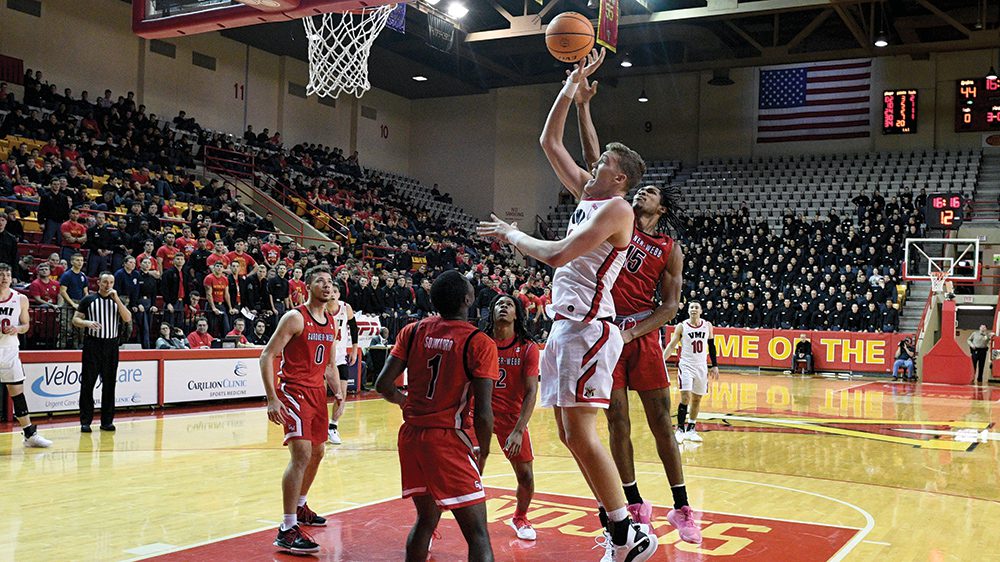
(502, 428)
(305, 412)
(439, 462)
(640, 366)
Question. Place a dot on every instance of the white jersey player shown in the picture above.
(697, 340)
(14, 320)
(584, 343)
(347, 355)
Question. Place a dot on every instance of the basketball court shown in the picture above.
(791, 469)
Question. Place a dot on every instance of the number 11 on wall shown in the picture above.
(238, 91)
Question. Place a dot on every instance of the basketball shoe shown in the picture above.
(692, 434)
(604, 541)
(309, 517)
(295, 541)
(683, 520)
(36, 440)
(333, 436)
(679, 436)
(522, 527)
(639, 545)
(641, 512)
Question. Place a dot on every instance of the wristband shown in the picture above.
(515, 236)
(569, 89)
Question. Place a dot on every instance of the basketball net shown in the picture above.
(938, 279)
(339, 45)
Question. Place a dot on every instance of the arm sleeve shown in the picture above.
(352, 325)
(481, 359)
(711, 352)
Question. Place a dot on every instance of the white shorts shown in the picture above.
(693, 378)
(11, 371)
(578, 362)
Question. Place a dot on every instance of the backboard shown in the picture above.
(956, 258)
(158, 19)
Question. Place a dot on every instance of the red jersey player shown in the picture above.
(653, 263)
(514, 399)
(306, 337)
(448, 362)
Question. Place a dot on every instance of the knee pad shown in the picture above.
(20, 405)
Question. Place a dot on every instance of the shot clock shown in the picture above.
(899, 112)
(977, 105)
(945, 210)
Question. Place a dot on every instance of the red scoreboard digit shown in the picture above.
(899, 112)
(945, 211)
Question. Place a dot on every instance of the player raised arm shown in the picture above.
(571, 175)
(611, 223)
(588, 133)
(675, 339)
(670, 290)
(290, 326)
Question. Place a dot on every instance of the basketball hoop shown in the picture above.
(938, 279)
(339, 45)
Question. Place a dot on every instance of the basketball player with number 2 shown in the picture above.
(306, 338)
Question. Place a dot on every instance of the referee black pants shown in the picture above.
(100, 360)
(978, 362)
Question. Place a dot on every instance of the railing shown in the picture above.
(983, 210)
(229, 162)
(291, 228)
(299, 205)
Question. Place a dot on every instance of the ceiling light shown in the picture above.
(432, 2)
(642, 96)
(881, 40)
(992, 74)
(626, 62)
(419, 78)
(457, 10)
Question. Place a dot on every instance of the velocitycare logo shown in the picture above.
(61, 381)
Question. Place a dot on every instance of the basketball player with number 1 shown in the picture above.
(306, 339)
(584, 344)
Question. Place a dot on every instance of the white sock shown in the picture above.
(288, 521)
(618, 515)
(302, 501)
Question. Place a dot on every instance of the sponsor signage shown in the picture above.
(55, 386)
(211, 379)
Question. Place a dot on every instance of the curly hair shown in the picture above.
(675, 216)
(520, 318)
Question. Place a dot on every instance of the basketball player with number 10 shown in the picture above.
(306, 338)
(584, 344)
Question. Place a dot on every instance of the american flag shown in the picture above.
(815, 101)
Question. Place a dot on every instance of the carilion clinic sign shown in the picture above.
(55, 386)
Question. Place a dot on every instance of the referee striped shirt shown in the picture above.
(102, 310)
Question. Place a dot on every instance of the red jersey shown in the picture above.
(211, 259)
(442, 357)
(217, 286)
(297, 291)
(645, 261)
(518, 360)
(167, 253)
(186, 245)
(48, 290)
(153, 264)
(307, 355)
(246, 262)
(272, 253)
(74, 229)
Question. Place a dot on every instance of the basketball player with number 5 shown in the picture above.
(306, 339)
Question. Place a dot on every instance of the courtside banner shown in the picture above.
(192, 380)
(607, 25)
(832, 351)
(55, 386)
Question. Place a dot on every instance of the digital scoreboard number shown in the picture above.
(977, 105)
(899, 112)
(945, 211)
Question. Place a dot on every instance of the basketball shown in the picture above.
(569, 37)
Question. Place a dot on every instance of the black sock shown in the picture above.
(333, 425)
(680, 496)
(619, 531)
(682, 414)
(632, 493)
(30, 430)
(602, 514)
(690, 426)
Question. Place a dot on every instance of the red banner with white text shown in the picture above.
(607, 25)
(832, 351)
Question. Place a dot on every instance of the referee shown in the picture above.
(98, 314)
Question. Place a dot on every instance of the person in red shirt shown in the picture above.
(296, 287)
(170, 208)
(187, 243)
(200, 338)
(514, 400)
(165, 253)
(56, 268)
(239, 325)
(271, 250)
(449, 362)
(147, 252)
(43, 291)
(217, 295)
(306, 338)
(240, 255)
(218, 255)
(74, 234)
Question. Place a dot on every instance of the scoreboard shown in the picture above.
(945, 210)
(899, 112)
(977, 105)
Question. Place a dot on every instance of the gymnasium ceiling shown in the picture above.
(500, 43)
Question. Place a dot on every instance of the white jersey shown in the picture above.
(343, 334)
(581, 289)
(694, 345)
(10, 315)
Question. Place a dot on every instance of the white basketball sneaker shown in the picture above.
(679, 436)
(522, 527)
(333, 436)
(639, 546)
(692, 435)
(604, 541)
(37, 441)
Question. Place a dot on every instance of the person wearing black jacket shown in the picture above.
(873, 318)
(424, 305)
(149, 289)
(173, 283)
(802, 316)
(768, 315)
(238, 296)
(785, 318)
(890, 318)
(755, 319)
(820, 318)
(406, 297)
(53, 210)
(277, 289)
(838, 317)
(803, 354)
(98, 240)
(257, 298)
(8, 244)
(855, 320)
(485, 296)
(366, 297)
